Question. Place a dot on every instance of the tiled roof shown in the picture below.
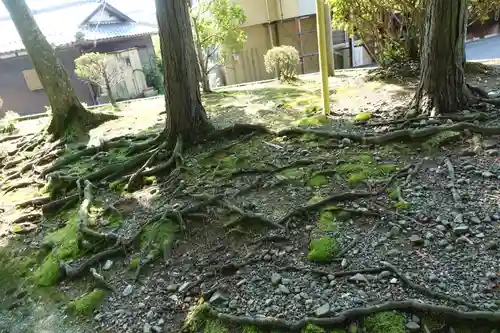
(60, 25)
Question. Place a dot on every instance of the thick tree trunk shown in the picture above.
(68, 114)
(186, 116)
(442, 86)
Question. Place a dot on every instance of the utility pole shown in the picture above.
(323, 59)
(329, 40)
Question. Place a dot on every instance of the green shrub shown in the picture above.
(283, 59)
(154, 75)
(8, 122)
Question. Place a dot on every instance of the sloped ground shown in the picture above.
(242, 250)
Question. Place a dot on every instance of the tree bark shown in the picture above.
(108, 88)
(68, 114)
(442, 86)
(186, 116)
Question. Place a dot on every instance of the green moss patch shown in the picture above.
(250, 329)
(385, 322)
(49, 272)
(363, 116)
(65, 240)
(327, 221)
(364, 167)
(315, 199)
(292, 173)
(323, 249)
(215, 326)
(442, 138)
(88, 303)
(318, 180)
(310, 328)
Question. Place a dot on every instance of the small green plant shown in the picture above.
(283, 59)
(8, 122)
(385, 322)
(154, 76)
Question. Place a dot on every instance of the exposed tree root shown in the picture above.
(451, 173)
(31, 217)
(247, 216)
(39, 201)
(101, 282)
(414, 170)
(133, 182)
(59, 204)
(83, 268)
(175, 158)
(351, 314)
(395, 176)
(10, 137)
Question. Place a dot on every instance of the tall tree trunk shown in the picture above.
(442, 86)
(186, 116)
(112, 99)
(329, 40)
(68, 114)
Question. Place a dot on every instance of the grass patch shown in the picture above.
(215, 326)
(323, 249)
(441, 138)
(310, 328)
(250, 329)
(385, 322)
(88, 303)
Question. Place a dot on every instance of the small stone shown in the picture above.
(358, 278)
(416, 240)
(449, 248)
(107, 265)
(157, 329)
(267, 257)
(475, 220)
(492, 245)
(384, 275)
(443, 242)
(217, 298)
(172, 287)
(240, 283)
(393, 253)
(184, 286)
(147, 328)
(429, 235)
(415, 319)
(282, 289)
(393, 281)
(487, 174)
(275, 279)
(492, 152)
(346, 142)
(441, 228)
(343, 263)
(463, 240)
(323, 310)
(413, 327)
(461, 230)
(128, 290)
(433, 277)
(480, 235)
(459, 218)
(395, 231)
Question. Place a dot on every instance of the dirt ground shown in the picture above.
(266, 228)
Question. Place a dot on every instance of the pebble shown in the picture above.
(461, 230)
(487, 174)
(449, 248)
(184, 286)
(492, 245)
(128, 290)
(459, 218)
(393, 252)
(107, 265)
(358, 278)
(217, 298)
(433, 277)
(395, 231)
(267, 257)
(172, 287)
(393, 281)
(323, 310)
(416, 240)
(415, 319)
(413, 327)
(282, 289)
(147, 328)
(275, 279)
(343, 264)
(346, 142)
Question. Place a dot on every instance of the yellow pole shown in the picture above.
(323, 59)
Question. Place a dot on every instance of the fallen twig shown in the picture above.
(451, 173)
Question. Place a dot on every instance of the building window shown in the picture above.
(32, 80)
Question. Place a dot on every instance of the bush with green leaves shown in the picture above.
(283, 60)
(8, 122)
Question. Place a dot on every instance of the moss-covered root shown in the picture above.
(310, 328)
(49, 272)
(88, 303)
(385, 322)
